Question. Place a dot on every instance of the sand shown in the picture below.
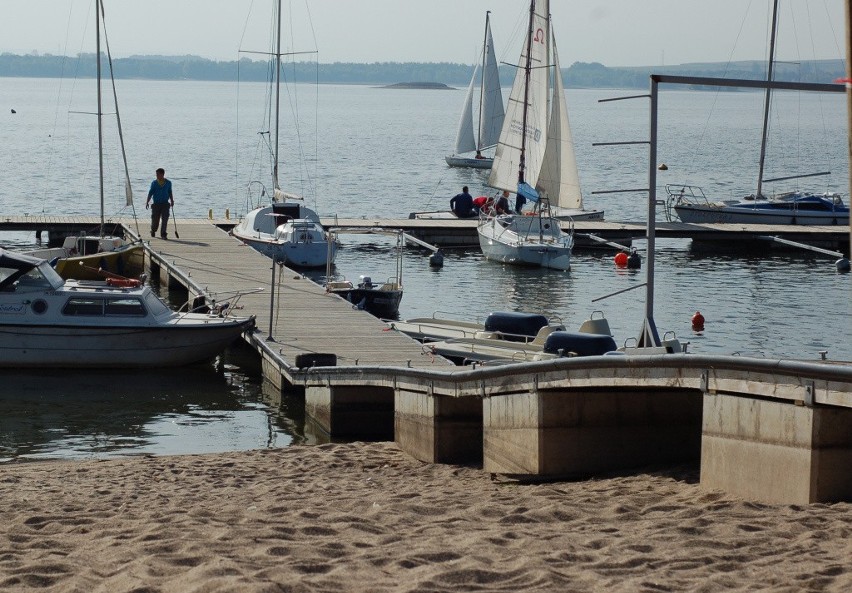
(367, 517)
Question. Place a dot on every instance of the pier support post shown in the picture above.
(776, 451)
(567, 433)
(438, 429)
(352, 412)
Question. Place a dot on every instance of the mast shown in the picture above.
(100, 110)
(275, 185)
(767, 99)
(527, 69)
(482, 82)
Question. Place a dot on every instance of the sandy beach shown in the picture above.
(367, 517)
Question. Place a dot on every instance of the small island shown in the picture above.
(440, 86)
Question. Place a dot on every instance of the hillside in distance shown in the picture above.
(579, 74)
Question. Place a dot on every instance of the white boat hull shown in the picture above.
(472, 163)
(114, 347)
(525, 241)
(300, 255)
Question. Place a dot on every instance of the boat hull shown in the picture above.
(505, 244)
(381, 303)
(471, 163)
(298, 255)
(746, 215)
(126, 261)
(55, 346)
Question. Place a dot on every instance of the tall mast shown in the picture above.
(767, 98)
(482, 82)
(100, 111)
(527, 69)
(277, 96)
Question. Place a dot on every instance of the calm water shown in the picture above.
(361, 151)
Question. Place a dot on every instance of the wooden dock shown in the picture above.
(305, 320)
(462, 233)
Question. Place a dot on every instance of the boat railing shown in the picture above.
(679, 194)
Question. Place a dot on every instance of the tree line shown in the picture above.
(579, 74)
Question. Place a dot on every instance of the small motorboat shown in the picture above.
(524, 337)
(48, 322)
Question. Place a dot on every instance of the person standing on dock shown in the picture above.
(462, 204)
(161, 191)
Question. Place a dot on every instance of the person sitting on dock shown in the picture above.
(462, 204)
(483, 205)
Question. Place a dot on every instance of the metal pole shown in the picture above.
(269, 338)
(649, 337)
(277, 95)
(848, 4)
(767, 100)
(100, 110)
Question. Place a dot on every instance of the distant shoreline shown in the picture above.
(395, 75)
(436, 86)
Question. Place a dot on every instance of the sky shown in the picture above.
(612, 32)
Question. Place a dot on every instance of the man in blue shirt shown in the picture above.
(462, 204)
(161, 191)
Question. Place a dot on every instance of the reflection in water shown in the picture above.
(71, 414)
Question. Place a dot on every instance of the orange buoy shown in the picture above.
(698, 322)
(621, 259)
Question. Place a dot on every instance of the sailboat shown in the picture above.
(534, 158)
(490, 111)
(285, 230)
(85, 257)
(794, 207)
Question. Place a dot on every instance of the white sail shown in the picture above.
(531, 87)
(491, 110)
(559, 178)
(465, 142)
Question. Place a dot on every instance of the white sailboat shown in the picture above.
(285, 230)
(793, 207)
(491, 111)
(81, 256)
(534, 158)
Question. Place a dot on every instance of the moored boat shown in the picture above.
(48, 322)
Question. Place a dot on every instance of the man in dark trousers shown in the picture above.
(161, 191)
(462, 204)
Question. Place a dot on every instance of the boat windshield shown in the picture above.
(39, 278)
(155, 305)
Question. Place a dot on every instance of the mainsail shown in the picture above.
(545, 142)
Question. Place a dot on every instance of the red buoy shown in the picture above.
(698, 322)
(621, 259)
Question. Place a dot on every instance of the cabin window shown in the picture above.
(124, 308)
(83, 306)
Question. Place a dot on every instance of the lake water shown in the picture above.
(362, 151)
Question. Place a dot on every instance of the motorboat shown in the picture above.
(491, 113)
(521, 337)
(439, 326)
(285, 229)
(49, 322)
(381, 299)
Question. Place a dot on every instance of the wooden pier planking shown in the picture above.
(306, 319)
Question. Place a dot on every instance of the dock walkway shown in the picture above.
(305, 319)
